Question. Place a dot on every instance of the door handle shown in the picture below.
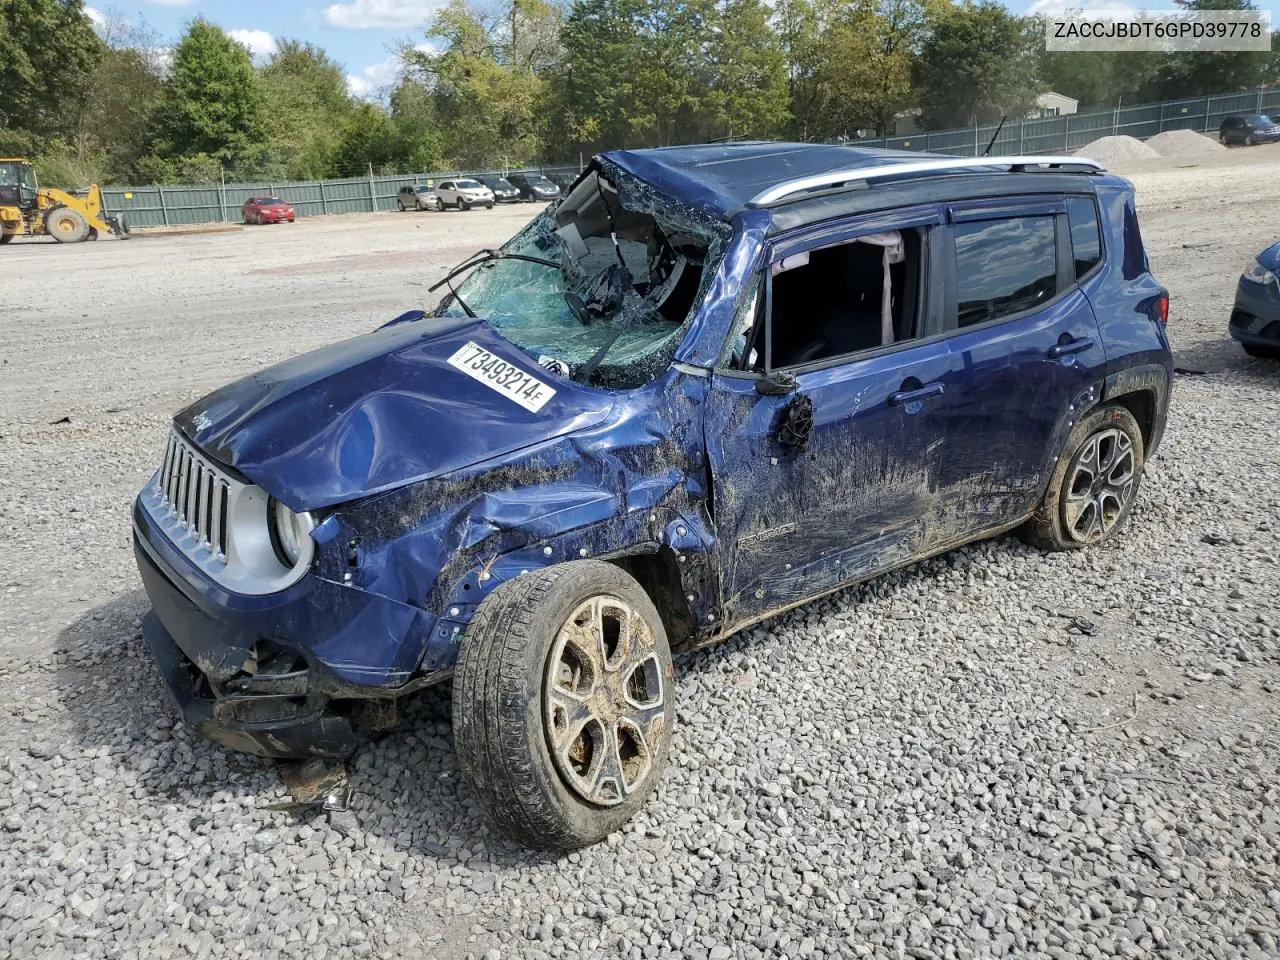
(1069, 347)
(920, 393)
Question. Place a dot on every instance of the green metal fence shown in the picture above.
(1071, 131)
(177, 205)
(162, 206)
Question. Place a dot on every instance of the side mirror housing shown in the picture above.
(776, 384)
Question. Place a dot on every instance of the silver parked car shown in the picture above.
(418, 197)
(464, 194)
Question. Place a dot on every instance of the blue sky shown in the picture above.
(359, 34)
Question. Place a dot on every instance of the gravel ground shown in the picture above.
(997, 752)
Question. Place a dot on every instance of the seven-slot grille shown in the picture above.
(196, 492)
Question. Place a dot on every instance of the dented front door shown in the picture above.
(796, 520)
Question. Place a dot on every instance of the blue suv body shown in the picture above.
(708, 384)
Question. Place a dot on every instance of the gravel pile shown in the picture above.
(1119, 149)
(995, 753)
(1184, 143)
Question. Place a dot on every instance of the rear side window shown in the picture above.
(1004, 267)
(1086, 241)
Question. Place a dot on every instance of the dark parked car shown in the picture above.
(1255, 318)
(534, 186)
(417, 197)
(711, 384)
(564, 179)
(267, 210)
(1258, 128)
(503, 191)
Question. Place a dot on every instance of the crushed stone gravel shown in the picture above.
(993, 753)
(1183, 143)
(1117, 149)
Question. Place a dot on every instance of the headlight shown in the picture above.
(289, 532)
(1257, 273)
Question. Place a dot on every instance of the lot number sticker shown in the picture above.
(508, 379)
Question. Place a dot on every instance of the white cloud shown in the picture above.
(96, 16)
(368, 14)
(373, 78)
(1089, 8)
(259, 42)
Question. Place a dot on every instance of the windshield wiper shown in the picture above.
(483, 256)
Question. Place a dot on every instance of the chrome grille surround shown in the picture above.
(218, 522)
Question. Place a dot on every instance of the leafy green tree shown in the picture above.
(979, 63)
(1187, 74)
(749, 95)
(305, 95)
(368, 138)
(212, 103)
(417, 131)
(48, 55)
(487, 80)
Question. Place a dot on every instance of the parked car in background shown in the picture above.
(267, 210)
(464, 194)
(503, 191)
(534, 186)
(1255, 318)
(713, 383)
(1248, 130)
(417, 197)
(564, 179)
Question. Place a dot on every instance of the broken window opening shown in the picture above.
(634, 266)
(840, 300)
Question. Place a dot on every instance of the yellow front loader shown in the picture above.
(29, 210)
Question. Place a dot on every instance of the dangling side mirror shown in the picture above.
(797, 423)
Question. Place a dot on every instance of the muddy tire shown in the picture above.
(1261, 352)
(563, 704)
(66, 225)
(1094, 484)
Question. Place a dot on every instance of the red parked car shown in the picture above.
(266, 210)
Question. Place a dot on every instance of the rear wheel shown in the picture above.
(66, 225)
(1094, 484)
(400, 205)
(1261, 351)
(563, 703)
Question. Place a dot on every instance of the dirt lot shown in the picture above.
(1013, 754)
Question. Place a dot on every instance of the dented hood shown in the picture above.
(386, 409)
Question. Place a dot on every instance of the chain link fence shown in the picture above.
(211, 203)
(166, 206)
(1069, 132)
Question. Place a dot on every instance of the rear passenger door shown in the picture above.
(1027, 352)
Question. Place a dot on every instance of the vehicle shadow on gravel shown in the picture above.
(1220, 356)
(405, 783)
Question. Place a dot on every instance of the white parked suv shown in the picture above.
(464, 194)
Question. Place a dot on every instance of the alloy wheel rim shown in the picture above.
(604, 701)
(1100, 484)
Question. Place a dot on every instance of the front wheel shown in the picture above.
(5, 238)
(1094, 484)
(66, 225)
(563, 704)
(1248, 140)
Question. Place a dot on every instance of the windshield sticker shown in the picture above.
(506, 378)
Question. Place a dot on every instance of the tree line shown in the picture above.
(498, 83)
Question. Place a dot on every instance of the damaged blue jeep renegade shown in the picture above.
(708, 384)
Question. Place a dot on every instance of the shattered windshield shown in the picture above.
(615, 310)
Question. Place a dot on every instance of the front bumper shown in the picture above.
(327, 645)
(267, 724)
(1255, 317)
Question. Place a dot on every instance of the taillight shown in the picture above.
(1162, 305)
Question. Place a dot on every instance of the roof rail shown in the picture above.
(838, 178)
